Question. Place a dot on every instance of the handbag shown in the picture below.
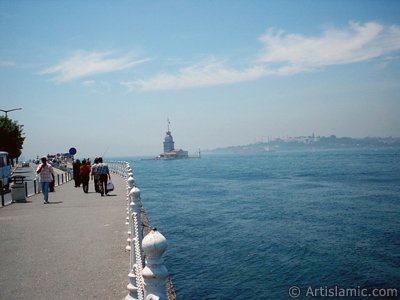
(110, 186)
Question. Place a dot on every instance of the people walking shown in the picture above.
(104, 174)
(95, 176)
(46, 174)
(85, 172)
(52, 183)
(76, 165)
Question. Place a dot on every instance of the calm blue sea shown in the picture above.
(252, 226)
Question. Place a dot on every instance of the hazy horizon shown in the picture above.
(101, 76)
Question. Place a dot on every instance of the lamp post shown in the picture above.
(8, 110)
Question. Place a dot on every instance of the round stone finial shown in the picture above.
(154, 244)
(135, 193)
(131, 181)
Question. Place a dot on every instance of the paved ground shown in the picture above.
(72, 248)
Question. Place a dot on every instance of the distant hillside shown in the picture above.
(312, 143)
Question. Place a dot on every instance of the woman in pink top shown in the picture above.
(45, 172)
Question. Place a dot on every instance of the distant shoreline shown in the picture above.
(311, 143)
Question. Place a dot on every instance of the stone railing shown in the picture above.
(148, 276)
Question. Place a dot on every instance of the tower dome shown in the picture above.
(169, 144)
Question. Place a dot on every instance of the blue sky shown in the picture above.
(104, 76)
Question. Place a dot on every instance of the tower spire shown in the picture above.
(168, 122)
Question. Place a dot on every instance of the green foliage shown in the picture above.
(11, 137)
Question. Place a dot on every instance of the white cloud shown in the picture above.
(83, 64)
(207, 73)
(292, 53)
(284, 54)
(88, 83)
(6, 63)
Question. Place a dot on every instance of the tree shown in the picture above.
(11, 137)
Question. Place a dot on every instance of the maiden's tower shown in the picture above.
(169, 148)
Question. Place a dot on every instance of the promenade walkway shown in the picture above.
(72, 248)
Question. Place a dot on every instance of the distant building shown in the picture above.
(169, 148)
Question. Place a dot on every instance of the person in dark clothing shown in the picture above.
(104, 173)
(77, 172)
(85, 172)
(95, 176)
(51, 185)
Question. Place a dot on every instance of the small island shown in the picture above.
(169, 148)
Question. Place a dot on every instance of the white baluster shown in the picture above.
(155, 273)
(130, 185)
(136, 239)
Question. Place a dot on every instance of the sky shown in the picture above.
(104, 76)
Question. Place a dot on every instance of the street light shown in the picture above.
(8, 110)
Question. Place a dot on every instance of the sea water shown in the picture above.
(255, 226)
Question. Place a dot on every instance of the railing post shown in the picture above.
(130, 184)
(155, 273)
(127, 169)
(136, 254)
